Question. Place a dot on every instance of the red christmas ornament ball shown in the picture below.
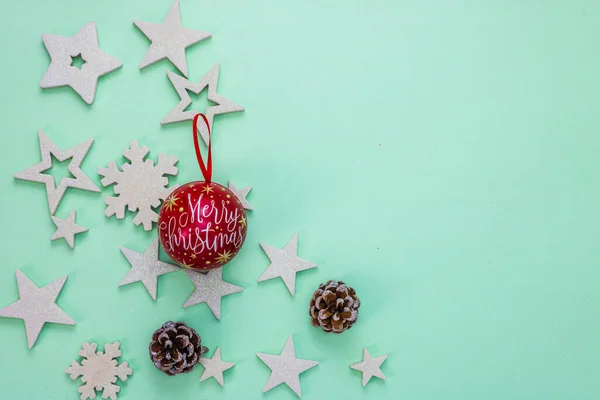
(202, 225)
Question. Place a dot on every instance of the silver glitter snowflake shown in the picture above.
(99, 371)
(140, 185)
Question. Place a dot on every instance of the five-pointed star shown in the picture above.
(182, 85)
(210, 288)
(62, 50)
(370, 367)
(36, 306)
(241, 194)
(67, 229)
(285, 263)
(169, 39)
(214, 367)
(76, 154)
(146, 267)
(286, 368)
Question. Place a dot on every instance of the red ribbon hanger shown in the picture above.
(205, 168)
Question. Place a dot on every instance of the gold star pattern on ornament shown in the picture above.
(193, 256)
(191, 185)
(185, 265)
(223, 257)
(207, 189)
(171, 202)
(242, 221)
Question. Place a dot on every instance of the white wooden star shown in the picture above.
(214, 367)
(146, 267)
(36, 306)
(370, 367)
(182, 85)
(241, 195)
(210, 288)
(84, 44)
(286, 368)
(67, 229)
(169, 39)
(285, 263)
(80, 180)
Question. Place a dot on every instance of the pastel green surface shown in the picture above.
(441, 157)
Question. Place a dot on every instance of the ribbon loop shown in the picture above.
(205, 168)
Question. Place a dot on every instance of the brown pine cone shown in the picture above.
(175, 348)
(334, 307)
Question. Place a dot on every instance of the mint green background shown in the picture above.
(439, 156)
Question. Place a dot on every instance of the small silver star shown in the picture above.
(182, 85)
(146, 267)
(76, 154)
(214, 367)
(285, 263)
(286, 368)
(61, 72)
(169, 39)
(36, 306)
(241, 194)
(370, 367)
(67, 229)
(210, 288)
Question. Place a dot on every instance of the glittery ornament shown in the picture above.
(210, 288)
(140, 185)
(370, 367)
(146, 267)
(285, 263)
(286, 368)
(99, 370)
(55, 192)
(180, 113)
(202, 225)
(214, 367)
(169, 39)
(36, 306)
(62, 72)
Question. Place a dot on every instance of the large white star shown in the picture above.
(210, 288)
(286, 368)
(36, 306)
(146, 267)
(80, 180)
(61, 72)
(169, 39)
(285, 263)
(369, 367)
(182, 85)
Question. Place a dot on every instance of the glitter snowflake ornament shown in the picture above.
(140, 185)
(99, 371)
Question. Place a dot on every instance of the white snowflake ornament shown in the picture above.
(140, 185)
(99, 371)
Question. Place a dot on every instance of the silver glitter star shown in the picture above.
(182, 85)
(67, 229)
(61, 72)
(146, 267)
(76, 154)
(36, 306)
(214, 367)
(169, 39)
(210, 288)
(286, 368)
(285, 263)
(370, 367)
(241, 194)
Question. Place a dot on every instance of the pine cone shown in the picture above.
(175, 348)
(334, 307)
